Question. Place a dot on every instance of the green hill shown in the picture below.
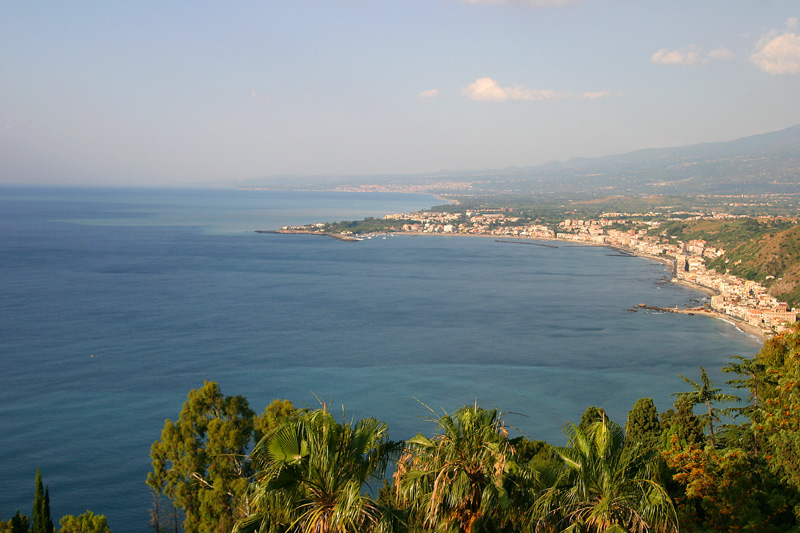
(763, 250)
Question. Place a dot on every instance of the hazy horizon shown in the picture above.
(166, 94)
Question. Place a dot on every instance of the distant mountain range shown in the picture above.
(760, 164)
(767, 163)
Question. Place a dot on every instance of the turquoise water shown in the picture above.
(115, 303)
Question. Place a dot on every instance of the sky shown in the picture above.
(187, 93)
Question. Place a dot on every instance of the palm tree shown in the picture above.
(705, 393)
(605, 487)
(312, 474)
(454, 480)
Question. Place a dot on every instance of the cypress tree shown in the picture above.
(643, 426)
(48, 521)
(42, 523)
(38, 506)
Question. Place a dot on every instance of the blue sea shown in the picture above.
(114, 303)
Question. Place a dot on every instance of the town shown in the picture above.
(746, 301)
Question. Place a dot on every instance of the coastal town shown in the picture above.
(747, 303)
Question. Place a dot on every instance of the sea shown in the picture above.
(115, 303)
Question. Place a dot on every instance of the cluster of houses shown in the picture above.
(471, 223)
(742, 299)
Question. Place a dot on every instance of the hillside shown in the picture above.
(767, 251)
(759, 164)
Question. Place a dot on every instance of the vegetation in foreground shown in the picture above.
(41, 522)
(220, 467)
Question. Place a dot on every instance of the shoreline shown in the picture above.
(689, 285)
(739, 324)
(336, 236)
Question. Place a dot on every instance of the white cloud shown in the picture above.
(721, 53)
(430, 94)
(779, 53)
(488, 90)
(690, 56)
(596, 95)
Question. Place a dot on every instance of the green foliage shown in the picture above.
(607, 485)
(730, 490)
(532, 452)
(311, 474)
(87, 522)
(682, 423)
(778, 422)
(454, 481)
(42, 523)
(19, 523)
(643, 427)
(276, 413)
(590, 416)
(200, 462)
(750, 481)
(704, 393)
(367, 225)
(730, 233)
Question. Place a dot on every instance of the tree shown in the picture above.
(754, 378)
(778, 419)
(19, 523)
(705, 393)
(643, 426)
(682, 423)
(729, 490)
(455, 480)
(590, 416)
(276, 413)
(42, 523)
(606, 486)
(87, 522)
(311, 473)
(200, 462)
(532, 452)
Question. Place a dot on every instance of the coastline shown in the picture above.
(708, 291)
(336, 236)
(741, 325)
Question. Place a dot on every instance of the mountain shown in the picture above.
(760, 164)
(767, 163)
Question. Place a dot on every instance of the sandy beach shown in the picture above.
(740, 324)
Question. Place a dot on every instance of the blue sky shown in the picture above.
(172, 93)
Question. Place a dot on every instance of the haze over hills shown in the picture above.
(759, 164)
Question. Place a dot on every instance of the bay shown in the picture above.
(116, 302)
